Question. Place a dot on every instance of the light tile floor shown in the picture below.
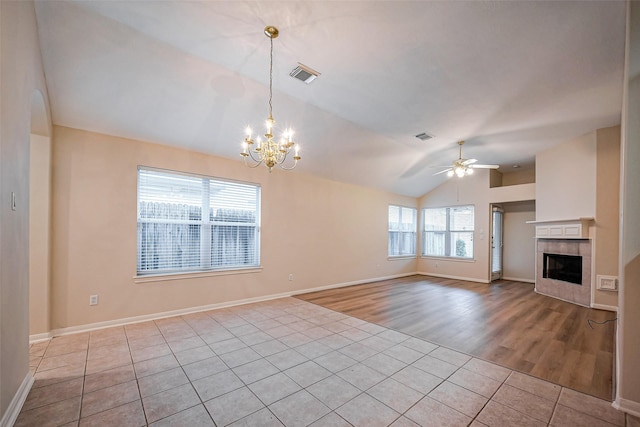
(284, 362)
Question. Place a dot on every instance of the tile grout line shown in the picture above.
(183, 371)
(133, 367)
(84, 378)
(245, 384)
(251, 321)
(511, 370)
(492, 395)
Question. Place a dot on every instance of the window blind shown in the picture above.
(402, 231)
(192, 223)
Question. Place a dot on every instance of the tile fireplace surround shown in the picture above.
(571, 292)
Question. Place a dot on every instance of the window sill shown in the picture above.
(445, 258)
(150, 278)
(401, 257)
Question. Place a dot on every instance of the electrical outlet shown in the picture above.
(93, 300)
(291, 277)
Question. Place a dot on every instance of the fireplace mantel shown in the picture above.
(562, 228)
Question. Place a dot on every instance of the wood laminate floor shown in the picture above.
(504, 322)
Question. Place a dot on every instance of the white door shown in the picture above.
(496, 243)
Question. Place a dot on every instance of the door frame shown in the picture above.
(496, 207)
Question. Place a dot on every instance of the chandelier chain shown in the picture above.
(269, 152)
(271, 78)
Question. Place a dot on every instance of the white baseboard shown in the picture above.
(628, 406)
(447, 276)
(605, 307)
(11, 415)
(39, 337)
(147, 317)
(190, 310)
(519, 279)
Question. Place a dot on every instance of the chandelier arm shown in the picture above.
(284, 158)
(295, 162)
(258, 162)
(250, 166)
(259, 159)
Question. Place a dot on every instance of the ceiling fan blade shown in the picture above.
(484, 166)
(443, 171)
(469, 161)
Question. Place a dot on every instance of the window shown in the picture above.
(402, 231)
(192, 223)
(448, 232)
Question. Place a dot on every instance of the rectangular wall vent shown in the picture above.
(424, 136)
(304, 73)
(606, 283)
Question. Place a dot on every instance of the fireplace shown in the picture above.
(567, 268)
(563, 269)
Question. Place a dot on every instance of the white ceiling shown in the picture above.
(510, 78)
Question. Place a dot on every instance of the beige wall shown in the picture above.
(39, 231)
(628, 350)
(322, 232)
(590, 190)
(519, 252)
(473, 190)
(566, 180)
(517, 177)
(499, 178)
(607, 224)
(470, 190)
(21, 76)
(512, 193)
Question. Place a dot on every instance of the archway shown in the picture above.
(39, 219)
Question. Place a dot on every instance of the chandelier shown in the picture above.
(270, 152)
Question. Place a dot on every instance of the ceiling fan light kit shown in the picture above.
(463, 167)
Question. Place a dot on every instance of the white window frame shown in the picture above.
(206, 225)
(412, 233)
(449, 248)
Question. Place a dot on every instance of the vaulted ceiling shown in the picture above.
(511, 78)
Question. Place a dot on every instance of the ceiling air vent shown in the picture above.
(424, 136)
(304, 73)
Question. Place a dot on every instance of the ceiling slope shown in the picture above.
(510, 78)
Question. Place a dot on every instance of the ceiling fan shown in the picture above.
(462, 167)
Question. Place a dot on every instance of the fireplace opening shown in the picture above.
(567, 268)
